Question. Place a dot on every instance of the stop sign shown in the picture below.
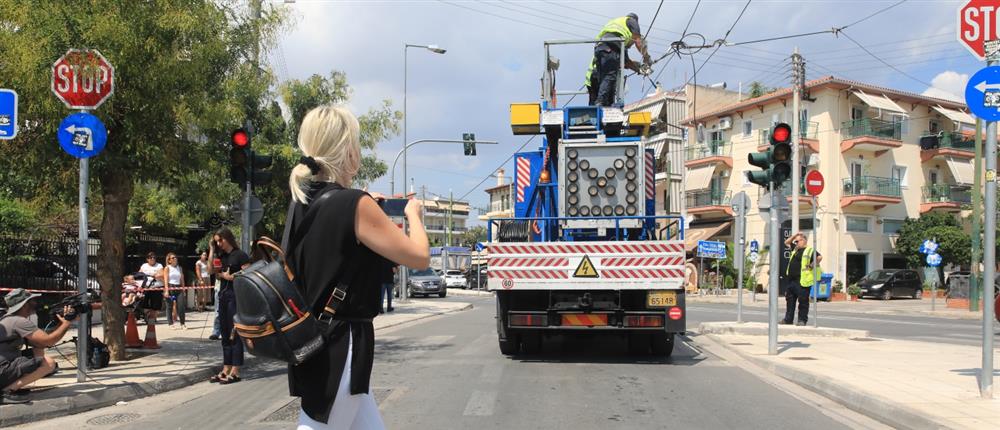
(978, 21)
(83, 79)
(814, 183)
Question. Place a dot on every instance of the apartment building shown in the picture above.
(886, 155)
(437, 214)
(501, 201)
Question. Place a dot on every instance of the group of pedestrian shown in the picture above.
(165, 284)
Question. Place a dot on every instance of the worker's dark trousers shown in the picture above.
(608, 63)
(796, 293)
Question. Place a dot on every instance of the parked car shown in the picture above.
(425, 282)
(889, 283)
(454, 279)
(474, 281)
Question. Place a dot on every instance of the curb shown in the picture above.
(760, 329)
(474, 293)
(874, 406)
(74, 403)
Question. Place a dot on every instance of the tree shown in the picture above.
(953, 242)
(473, 235)
(758, 89)
(184, 77)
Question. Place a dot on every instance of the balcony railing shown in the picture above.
(946, 193)
(787, 189)
(715, 148)
(807, 130)
(872, 128)
(944, 139)
(871, 186)
(697, 199)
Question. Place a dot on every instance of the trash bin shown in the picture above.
(825, 286)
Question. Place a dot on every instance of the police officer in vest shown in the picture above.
(602, 76)
(800, 274)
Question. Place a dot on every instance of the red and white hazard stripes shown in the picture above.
(643, 261)
(523, 177)
(642, 273)
(530, 262)
(528, 274)
(672, 247)
(650, 177)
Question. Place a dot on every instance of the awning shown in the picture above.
(879, 102)
(656, 143)
(702, 232)
(961, 170)
(956, 116)
(699, 178)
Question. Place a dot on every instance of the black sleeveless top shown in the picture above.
(324, 255)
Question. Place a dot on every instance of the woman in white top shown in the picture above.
(203, 278)
(153, 301)
(175, 279)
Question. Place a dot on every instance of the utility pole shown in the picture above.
(990, 256)
(975, 286)
(451, 205)
(798, 79)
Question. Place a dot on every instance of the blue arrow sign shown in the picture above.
(480, 246)
(82, 135)
(934, 260)
(711, 249)
(982, 93)
(8, 114)
(754, 246)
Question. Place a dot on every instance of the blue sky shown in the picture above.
(495, 58)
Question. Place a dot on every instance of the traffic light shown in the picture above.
(470, 144)
(239, 157)
(775, 162)
(259, 164)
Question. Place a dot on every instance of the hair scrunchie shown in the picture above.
(311, 164)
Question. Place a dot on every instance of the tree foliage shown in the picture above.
(953, 242)
(758, 89)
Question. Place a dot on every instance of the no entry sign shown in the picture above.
(978, 21)
(83, 79)
(814, 183)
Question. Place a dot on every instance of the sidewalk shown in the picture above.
(905, 307)
(186, 357)
(461, 292)
(902, 383)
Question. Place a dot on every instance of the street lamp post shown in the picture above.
(432, 48)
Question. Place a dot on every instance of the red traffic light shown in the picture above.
(782, 134)
(240, 138)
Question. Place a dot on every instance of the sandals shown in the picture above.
(218, 378)
(232, 379)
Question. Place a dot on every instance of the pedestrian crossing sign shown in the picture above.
(585, 269)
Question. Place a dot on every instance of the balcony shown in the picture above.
(716, 151)
(869, 134)
(808, 132)
(947, 144)
(871, 191)
(709, 202)
(804, 198)
(945, 197)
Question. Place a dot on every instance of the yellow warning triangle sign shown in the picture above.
(585, 269)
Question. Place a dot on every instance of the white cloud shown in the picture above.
(948, 85)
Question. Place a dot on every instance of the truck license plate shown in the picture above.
(661, 299)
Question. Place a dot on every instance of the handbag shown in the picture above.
(272, 316)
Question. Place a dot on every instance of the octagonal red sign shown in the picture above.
(978, 21)
(83, 79)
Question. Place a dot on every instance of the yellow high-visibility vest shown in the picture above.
(617, 26)
(806, 275)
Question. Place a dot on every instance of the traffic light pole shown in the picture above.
(774, 255)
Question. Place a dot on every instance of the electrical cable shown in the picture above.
(653, 21)
(511, 19)
(883, 61)
(686, 27)
(873, 14)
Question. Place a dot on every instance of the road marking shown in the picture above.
(843, 318)
(481, 404)
(492, 373)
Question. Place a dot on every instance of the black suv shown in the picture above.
(889, 283)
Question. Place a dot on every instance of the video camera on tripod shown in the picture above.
(78, 303)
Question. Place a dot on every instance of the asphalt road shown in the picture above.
(446, 372)
(917, 328)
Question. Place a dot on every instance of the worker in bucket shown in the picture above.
(602, 76)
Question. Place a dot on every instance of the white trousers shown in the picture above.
(349, 412)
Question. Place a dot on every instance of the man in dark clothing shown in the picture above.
(800, 277)
(388, 282)
(602, 86)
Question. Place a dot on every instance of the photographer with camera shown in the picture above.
(17, 328)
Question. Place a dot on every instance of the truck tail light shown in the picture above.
(644, 321)
(523, 320)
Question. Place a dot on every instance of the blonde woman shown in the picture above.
(344, 244)
(174, 277)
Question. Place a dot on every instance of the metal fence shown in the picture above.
(873, 128)
(697, 199)
(871, 186)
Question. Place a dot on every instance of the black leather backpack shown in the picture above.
(272, 316)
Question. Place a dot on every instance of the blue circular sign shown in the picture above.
(82, 135)
(982, 93)
(934, 260)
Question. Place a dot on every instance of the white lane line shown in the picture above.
(481, 404)
(492, 372)
(476, 346)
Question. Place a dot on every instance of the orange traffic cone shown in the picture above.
(132, 332)
(150, 342)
